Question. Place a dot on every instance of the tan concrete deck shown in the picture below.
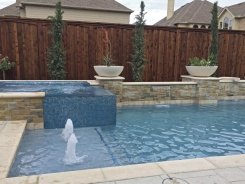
(212, 170)
(10, 137)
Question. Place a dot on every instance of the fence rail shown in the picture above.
(167, 50)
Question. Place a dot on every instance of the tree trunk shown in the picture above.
(4, 75)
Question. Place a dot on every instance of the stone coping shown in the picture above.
(22, 94)
(111, 174)
(221, 79)
(44, 80)
(157, 83)
(178, 102)
(200, 78)
(10, 137)
(232, 98)
(93, 82)
(109, 78)
(164, 102)
(229, 79)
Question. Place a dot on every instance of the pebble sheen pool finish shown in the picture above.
(86, 105)
(142, 134)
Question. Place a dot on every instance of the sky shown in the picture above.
(156, 9)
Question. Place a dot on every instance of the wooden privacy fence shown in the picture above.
(167, 50)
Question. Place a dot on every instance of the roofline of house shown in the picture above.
(9, 15)
(240, 17)
(73, 7)
(226, 8)
(204, 23)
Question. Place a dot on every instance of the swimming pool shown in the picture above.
(142, 134)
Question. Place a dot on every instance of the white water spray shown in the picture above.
(68, 130)
(70, 138)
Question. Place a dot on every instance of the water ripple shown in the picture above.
(142, 134)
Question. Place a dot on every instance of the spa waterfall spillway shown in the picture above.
(86, 105)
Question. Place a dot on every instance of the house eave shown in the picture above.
(79, 8)
(240, 17)
(226, 9)
(9, 15)
(204, 23)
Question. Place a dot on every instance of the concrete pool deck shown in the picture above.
(212, 170)
(10, 137)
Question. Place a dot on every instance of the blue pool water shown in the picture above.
(86, 105)
(142, 134)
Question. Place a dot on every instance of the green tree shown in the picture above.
(56, 53)
(138, 57)
(213, 57)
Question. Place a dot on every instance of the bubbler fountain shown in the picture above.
(68, 130)
(70, 137)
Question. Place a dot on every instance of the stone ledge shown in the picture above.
(229, 79)
(22, 95)
(164, 102)
(93, 82)
(193, 167)
(232, 98)
(200, 78)
(220, 79)
(157, 83)
(109, 78)
(10, 138)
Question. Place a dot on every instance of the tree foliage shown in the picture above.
(5, 65)
(213, 57)
(138, 57)
(56, 53)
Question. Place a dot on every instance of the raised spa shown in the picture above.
(86, 105)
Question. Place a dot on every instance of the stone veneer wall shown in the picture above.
(190, 90)
(158, 91)
(22, 106)
(218, 88)
(241, 86)
(207, 89)
(230, 89)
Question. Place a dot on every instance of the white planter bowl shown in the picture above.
(201, 71)
(108, 71)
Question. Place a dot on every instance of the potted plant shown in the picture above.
(207, 67)
(108, 69)
(5, 65)
(201, 67)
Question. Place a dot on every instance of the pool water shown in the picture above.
(142, 134)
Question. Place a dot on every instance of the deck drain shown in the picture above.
(174, 181)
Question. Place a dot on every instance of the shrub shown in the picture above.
(56, 53)
(213, 56)
(195, 61)
(138, 57)
(5, 65)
